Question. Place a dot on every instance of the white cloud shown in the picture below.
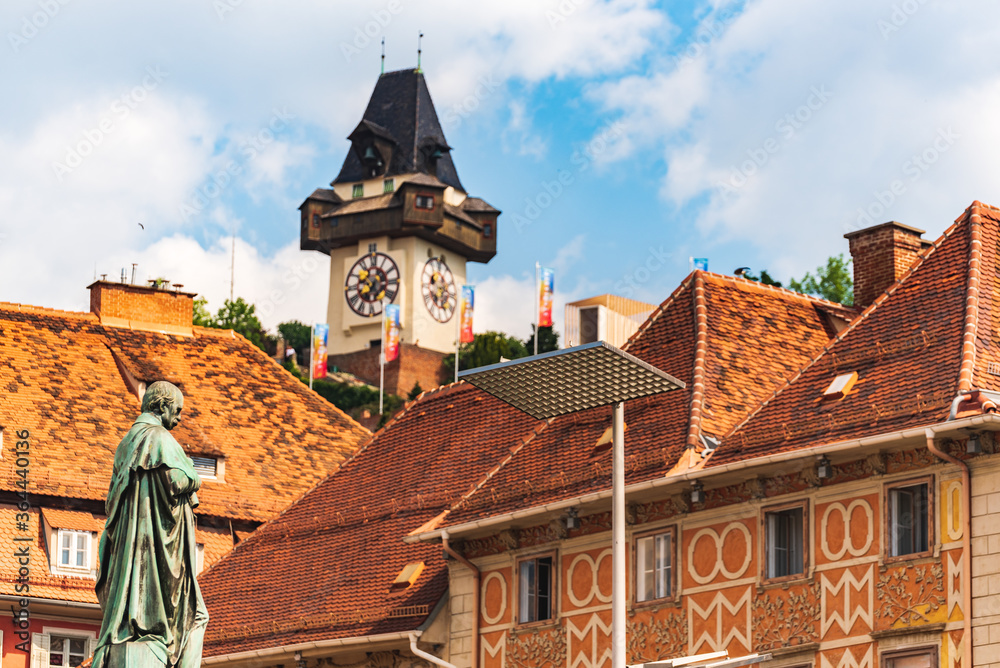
(808, 113)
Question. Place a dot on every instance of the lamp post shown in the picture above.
(575, 379)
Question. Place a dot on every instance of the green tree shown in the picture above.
(235, 315)
(202, 318)
(486, 348)
(548, 340)
(832, 282)
(764, 278)
(297, 335)
(415, 391)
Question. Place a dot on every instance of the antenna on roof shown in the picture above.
(383, 57)
(134, 265)
(420, 38)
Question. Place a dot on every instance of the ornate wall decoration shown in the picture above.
(909, 596)
(846, 615)
(875, 464)
(787, 618)
(725, 621)
(952, 510)
(494, 594)
(493, 654)
(697, 571)
(591, 565)
(847, 659)
(853, 544)
(657, 637)
(955, 648)
(538, 649)
(908, 460)
(590, 645)
(955, 570)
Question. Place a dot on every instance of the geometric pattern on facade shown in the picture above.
(502, 598)
(847, 660)
(714, 611)
(953, 511)
(850, 538)
(595, 589)
(954, 583)
(718, 564)
(588, 654)
(846, 617)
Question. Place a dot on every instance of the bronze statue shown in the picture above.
(153, 611)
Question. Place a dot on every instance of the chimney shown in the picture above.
(882, 254)
(153, 309)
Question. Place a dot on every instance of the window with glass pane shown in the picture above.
(74, 548)
(67, 651)
(908, 520)
(388, 186)
(653, 568)
(535, 589)
(784, 543)
(358, 190)
(925, 657)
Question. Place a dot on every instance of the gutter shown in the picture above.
(427, 656)
(51, 601)
(290, 650)
(989, 422)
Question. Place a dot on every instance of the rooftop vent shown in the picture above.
(408, 575)
(207, 467)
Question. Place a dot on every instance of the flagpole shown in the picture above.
(381, 362)
(312, 339)
(458, 328)
(538, 301)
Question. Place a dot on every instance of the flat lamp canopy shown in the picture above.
(574, 379)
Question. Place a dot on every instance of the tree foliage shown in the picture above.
(238, 316)
(832, 282)
(548, 340)
(486, 348)
(296, 335)
(764, 278)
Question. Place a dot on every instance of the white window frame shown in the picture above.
(926, 522)
(527, 597)
(770, 562)
(40, 643)
(664, 546)
(74, 549)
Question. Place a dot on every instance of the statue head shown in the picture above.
(165, 401)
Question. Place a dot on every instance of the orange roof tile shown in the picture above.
(914, 348)
(78, 520)
(63, 378)
(731, 340)
(344, 538)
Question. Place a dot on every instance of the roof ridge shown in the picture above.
(659, 310)
(921, 258)
(700, 304)
(971, 325)
(740, 281)
(44, 310)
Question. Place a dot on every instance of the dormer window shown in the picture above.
(74, 549)
(207, 467)
(425, 202)
(358, 190)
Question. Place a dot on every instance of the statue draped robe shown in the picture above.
(148, 556)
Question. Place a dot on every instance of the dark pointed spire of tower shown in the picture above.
(383, 57)
(420, 38)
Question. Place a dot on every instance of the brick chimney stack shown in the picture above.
(882, 254)
(139, 307)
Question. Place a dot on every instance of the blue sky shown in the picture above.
(619, 138)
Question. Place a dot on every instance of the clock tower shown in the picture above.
(399, 228)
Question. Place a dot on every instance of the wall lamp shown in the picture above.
(824, 469)
(973, 446)
(697, 492)
(571, 520)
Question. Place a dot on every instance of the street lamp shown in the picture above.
(575, 379)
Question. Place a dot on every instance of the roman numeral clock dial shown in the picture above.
(371, 279)
(437, 286)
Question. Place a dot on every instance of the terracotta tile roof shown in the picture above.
(78, 520)
(60, 379)
(910, 349)
(331, 558)
(732, 341)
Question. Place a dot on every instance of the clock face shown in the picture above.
(438, 288)
(372, 278)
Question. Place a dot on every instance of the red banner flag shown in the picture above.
(391, 332)
(546, 286)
